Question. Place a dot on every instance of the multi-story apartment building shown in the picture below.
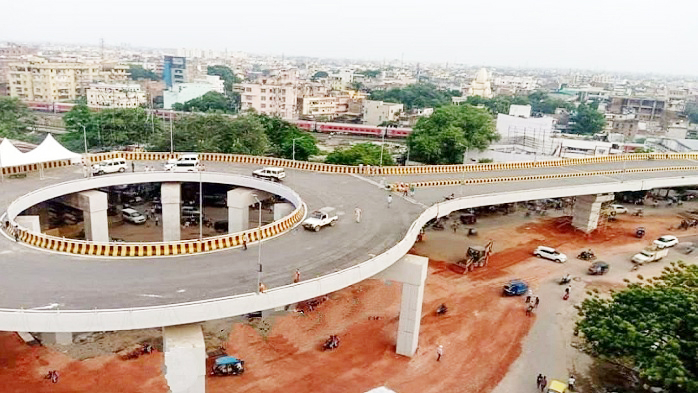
(274, 95)
(314, 107)
(40, 80)
(174, 70)
(649, 109)
(115, 95)
(377, 112)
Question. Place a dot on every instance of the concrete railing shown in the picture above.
(149, 249)
(547, 176)
(204, 310)
(363, 170)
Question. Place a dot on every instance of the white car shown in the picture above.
(619, 209)
(270, 173)
(109, 166)
(185, 167)
(321, 218)
(550, 253)
(132, 216)
(172, 164)
(666, 241)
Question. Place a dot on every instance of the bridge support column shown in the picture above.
(185, 358)
(62, 338)
(281, 210)
(171, 197)
(94, 211)
(32, 223)
(411, 271)
(587, 209)
(239, 201)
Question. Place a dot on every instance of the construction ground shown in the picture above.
(489, 342)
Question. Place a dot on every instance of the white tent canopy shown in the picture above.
(48, 150)
(9, 154)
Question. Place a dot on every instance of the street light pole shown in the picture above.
(383, 143)
(201, 208)
(294, 148)
(259, 240)
(84, 135)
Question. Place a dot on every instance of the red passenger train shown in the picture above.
(308, 125)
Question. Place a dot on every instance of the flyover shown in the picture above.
(72, 293)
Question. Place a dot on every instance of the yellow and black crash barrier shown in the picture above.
(400, 187)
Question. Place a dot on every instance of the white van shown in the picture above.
(109, 166)
(186, 167)
(171, 164)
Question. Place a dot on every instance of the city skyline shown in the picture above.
(620, 37)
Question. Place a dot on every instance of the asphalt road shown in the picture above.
(38, 279)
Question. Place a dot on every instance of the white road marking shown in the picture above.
(149, 295)
(181, 290)
(49, 307)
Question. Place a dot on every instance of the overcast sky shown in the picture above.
(614, 35)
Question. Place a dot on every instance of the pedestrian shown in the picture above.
(412, 190)
(528, 299)
(537, 302)
(133, 166)
(529, 310)
(454, 226)
(262, 287)
(390, 199)
(84, 171)
(439, 352)
(539, 380)
(152, 211)
(157, 221)
(296, 276)
(244, 241)
(543, 383)
(570, 383)
(357, 214)
(16, 232)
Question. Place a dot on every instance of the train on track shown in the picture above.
(307, 125)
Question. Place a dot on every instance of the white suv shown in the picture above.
(171, 165)
(550, 253)
(270, 173)
(109, 166)
(132, 216)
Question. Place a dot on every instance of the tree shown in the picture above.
(138, 72)
(541, 102)
(650, 327)
(228, 76)
(109, 128)
(319, 75)
(370, 73)
(419, 95)
(209, 102)
(15, 120)
(443, 137)
(587, 120)
(357, 85)
(281, 134)
(361, 153)
(499, 104)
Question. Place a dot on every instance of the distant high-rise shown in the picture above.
(174, 70)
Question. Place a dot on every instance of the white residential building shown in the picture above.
(183, 92)
(377, 112)
(115, 95)
(275, 95)
(515, 83)
(520, 111)
(318, 106)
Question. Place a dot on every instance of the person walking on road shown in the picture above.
(439, 352)
(567, 292)
(357, 214)
(535, 305)
(244, 241)
(297, 276)
(529, 310)
(157, 221)
(16, 233)
(133, 166)
(390, 200)
(570, 383)
(539, 380)
(543, 383)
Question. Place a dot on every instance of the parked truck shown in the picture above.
(651, 254)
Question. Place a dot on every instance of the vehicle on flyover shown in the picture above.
(550, 253)
(666, 241)
(109, 166)
(270, 173)
(183, 163)
(515, 288)
(321, 218)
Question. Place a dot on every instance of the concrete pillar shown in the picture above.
(239, 201)
(411, 271)
(185, 358)
(62, 338)
(282, 210)
(171, 197)
(94, 211)
(30, 222)
(587, 209)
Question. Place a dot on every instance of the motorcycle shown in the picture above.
(565, 280)
(331, 343)
(586, 255)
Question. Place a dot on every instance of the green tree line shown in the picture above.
(419, 95)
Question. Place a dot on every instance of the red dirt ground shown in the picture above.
(481, 333)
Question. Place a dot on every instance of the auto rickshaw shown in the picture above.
(228, 365)
(556, 386)
(640, 232)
